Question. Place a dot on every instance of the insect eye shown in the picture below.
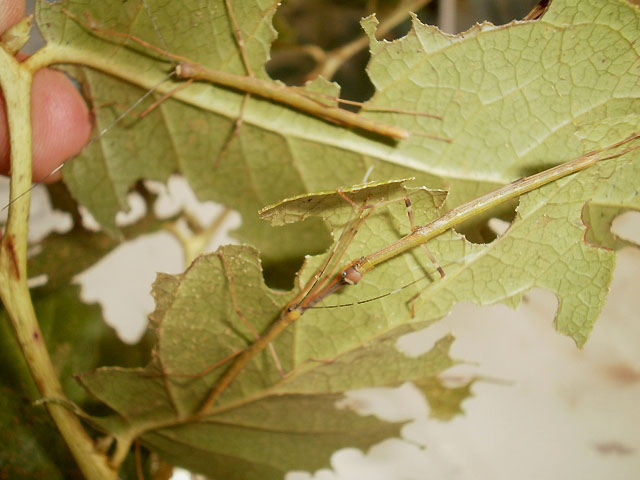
(351, 276)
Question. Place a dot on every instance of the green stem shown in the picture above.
(195, 242)
(16, 86)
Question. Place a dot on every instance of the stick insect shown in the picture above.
(294, 97)
(356, 205)
(318, 104)
(324, 285)
(352, 273)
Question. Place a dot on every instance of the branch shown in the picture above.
(195, 241)
(334, 59)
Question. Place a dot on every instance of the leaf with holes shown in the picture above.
(513, 99)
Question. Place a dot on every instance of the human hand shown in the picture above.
(59, 116)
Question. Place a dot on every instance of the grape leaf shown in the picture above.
(256, 430)
(32, 448)
(185, 137)
(521, 96)
(514, 99)
(207, 316)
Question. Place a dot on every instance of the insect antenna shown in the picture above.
(378, 297)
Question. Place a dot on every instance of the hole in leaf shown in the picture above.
(280, 275)
(627, 226)
(478, 229)
(281, 265)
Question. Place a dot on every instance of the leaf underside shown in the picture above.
(514, 99)
(265, 424)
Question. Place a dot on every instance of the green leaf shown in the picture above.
(444, 402)
(31, 446)
(516, 98)
(337, 208)
(513, 98)
(255, 430)
(186, 136)
(207, 317)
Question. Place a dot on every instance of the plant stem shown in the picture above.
(16, 86)
(195, 242)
